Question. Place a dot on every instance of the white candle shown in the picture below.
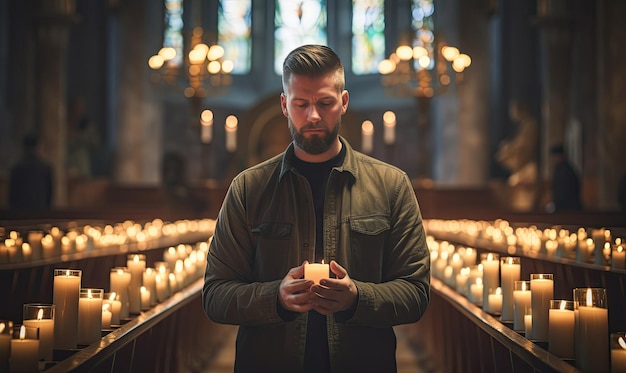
(618, 257)
(34, 239)
(469, 257)
(145, 298)
(206, 120)
(476, 292)
(528, 325)
(136, 264)
(115, 306)
(495, 301)
(491, 275)
(561, 329)
(170, 256)
(89, 316)
(389, 122)
(173, 283)
(107, 316)
(521, 301)
(161, 287)
(24, 353)
(593, 330)
(618, 352)
(231, 133)
(6, 330)
(461, 281)
(119, 283)
(510, 272)
(42, 316)
(65, 298)
(541, 293)
(149, 281)
(316, 271)
(367, 136)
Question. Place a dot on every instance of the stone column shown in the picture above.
(54, 23)
(555, 56)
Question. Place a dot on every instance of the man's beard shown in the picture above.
(314, 144)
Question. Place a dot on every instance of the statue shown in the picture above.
(519, 156)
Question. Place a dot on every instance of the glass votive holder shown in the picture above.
(115, 306)
(120, 282)
(528, 322)
(24, 349)
(65, 296)
(618, 352)
(39, 315)
(592, 329)
(90, 315)
(618, 257)
(521, 300)
(494, 302)
(6, 333)
(561, 328)
(541, 292)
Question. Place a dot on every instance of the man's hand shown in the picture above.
(334, 294)
(293, 293)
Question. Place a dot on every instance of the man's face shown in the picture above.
(313, 107)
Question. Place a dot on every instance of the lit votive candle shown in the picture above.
(145, 298)
(115, 306)
(592, 336)
(316, 271)
(495, 301)
(491, 275)
(618, 352)
(161, 287)
(41, 316)
(510, 270)
(107, 316)
(136, 264)
(65, 298)
(461, 281)
(149, 281)
(541, 293)
(90, 316)
(476, 292)
(561, 329)
(6, 334)
(24, 349)
(618, 257)
(119, 284)
(521, 301)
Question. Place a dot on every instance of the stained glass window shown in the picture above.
(234, 29)
(368, 35)
(422, 12)
(297, 23)
(173, 36)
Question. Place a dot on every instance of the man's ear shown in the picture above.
(283, 104)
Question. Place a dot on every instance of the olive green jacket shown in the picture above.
(266, 226)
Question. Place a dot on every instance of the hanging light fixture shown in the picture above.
(420, 70)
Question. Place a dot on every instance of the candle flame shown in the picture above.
(113, 296)
(589, 298)
(40, 314)
(621, 342)
(322, 261)
(22, 332)
(524, 286)
(490, 256)
(562, 305)
(143, 289)
(479, 281)
(136, 258)
(498, 291)
(89, 295)
(105, 307)
(2, 326)
(67, 273)
(510, 260)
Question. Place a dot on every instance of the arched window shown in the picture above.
(368, 35)
(234, 26)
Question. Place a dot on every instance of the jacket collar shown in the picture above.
(349, 162)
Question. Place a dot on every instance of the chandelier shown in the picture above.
(422, 70)
(207, 72)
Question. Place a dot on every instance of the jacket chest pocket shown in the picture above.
(272, 251)
(367, 245)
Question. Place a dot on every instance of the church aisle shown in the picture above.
(408, 360)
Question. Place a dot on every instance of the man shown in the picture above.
(319, 200)
(30, 185)
(565, 182)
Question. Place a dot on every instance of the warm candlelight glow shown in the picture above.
(40, 314)
(589, 298)
(621, 342)
(89, 295)
(23, 332)
(112, 296)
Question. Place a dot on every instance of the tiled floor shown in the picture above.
(408, 360)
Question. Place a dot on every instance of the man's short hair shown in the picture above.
(313, 60)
